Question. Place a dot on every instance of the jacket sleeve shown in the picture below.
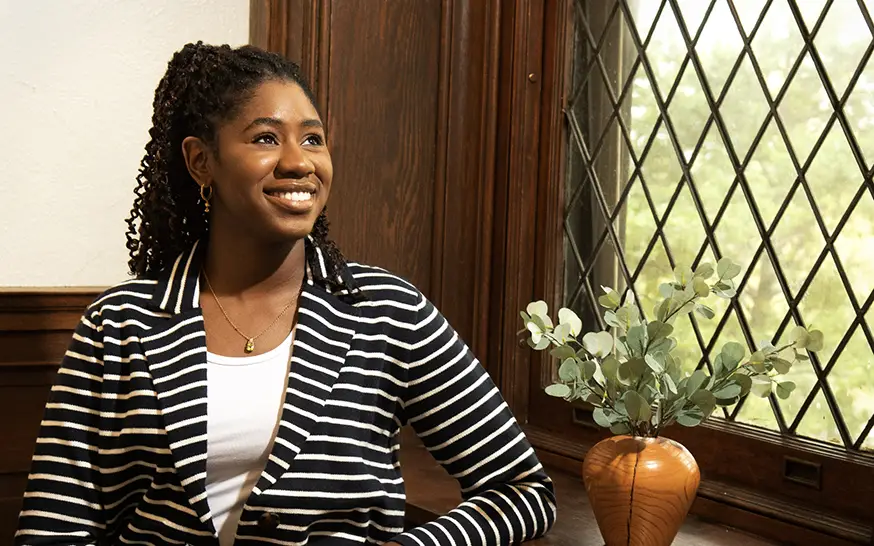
(464, 422)
(62, 503)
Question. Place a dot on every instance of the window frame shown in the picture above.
(749, 474)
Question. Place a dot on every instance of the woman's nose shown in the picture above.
(294, 163)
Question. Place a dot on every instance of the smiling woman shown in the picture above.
(268, 407)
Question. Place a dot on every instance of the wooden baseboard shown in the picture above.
(770, 517)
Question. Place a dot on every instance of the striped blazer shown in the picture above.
(121, 453)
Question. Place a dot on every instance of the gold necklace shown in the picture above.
(250, 341)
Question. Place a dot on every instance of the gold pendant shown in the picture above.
(250, 345)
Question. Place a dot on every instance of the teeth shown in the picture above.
(295, 196)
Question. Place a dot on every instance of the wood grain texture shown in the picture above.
(35, 329)
(382, 120)
(640, 488)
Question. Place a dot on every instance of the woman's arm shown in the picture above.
(62, 503)
(462, 419)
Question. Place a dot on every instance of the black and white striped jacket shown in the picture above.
(121, 454)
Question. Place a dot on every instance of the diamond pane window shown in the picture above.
(698, 129)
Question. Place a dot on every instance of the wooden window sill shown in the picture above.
(431, 492)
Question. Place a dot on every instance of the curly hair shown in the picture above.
(204, 85)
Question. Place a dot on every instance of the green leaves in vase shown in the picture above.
(629, 372)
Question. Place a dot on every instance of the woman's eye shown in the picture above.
(314, 140)
(266, 139)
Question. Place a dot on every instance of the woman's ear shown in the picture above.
(196, 154)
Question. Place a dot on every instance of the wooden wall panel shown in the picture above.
(381, 110)
(35, 329)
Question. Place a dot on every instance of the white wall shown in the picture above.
(77, 78)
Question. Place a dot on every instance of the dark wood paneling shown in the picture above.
(35, 329)
(382, 117)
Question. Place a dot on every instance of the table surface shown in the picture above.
(432, 492)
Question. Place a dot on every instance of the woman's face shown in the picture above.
(272, 174)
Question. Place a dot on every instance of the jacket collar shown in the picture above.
(178, 288)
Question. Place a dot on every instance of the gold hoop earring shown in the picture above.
(206, 196)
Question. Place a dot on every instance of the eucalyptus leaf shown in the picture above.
(702, 289)
(784, 389)
(537, 308)
(541, 344)
(704, 271)
(666, 290)
(669, 382)
(703, 398)
(636, 340)
(718, 366)
(695, 381)
(814, 341)
(799, 336)
(682, 274)
(562, 352)
(729, 390)
(732, 353)
(569, 318)
(656, 330)
(525, 316)
(631, 370)
(610, 368)
(664, 346)
(655, 362)
(612, 320)
(673, 366)
(569, 370)
(600, 418)
(744, 381)
(663, 309)
(781, 365)
(558, 390)
(726, 269)
(588, 369)
(598, 344)
(620, 428)
(704, 311)
(539, 322)
(562, 332)
(690, 418)
(637, 407)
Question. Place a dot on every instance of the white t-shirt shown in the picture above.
(244, 403)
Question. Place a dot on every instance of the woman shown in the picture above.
(249, 385)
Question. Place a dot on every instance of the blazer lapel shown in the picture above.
(176, 354)
(325, 326)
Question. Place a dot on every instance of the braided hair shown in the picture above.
(203, 86)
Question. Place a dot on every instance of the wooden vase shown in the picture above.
(640, 489)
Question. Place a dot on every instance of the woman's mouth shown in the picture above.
(292, 201)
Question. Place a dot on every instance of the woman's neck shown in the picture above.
(236, 266)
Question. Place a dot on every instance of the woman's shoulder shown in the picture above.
(129, 294)
(377, 283)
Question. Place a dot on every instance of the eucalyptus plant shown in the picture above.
(629, 372)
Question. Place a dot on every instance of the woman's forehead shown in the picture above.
(280, 100)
